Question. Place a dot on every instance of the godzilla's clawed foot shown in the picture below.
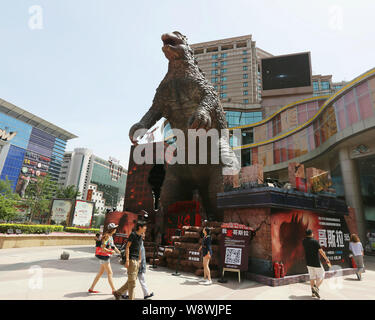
(200, 120)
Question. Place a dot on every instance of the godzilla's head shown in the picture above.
(175, 46)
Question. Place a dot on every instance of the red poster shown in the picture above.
(288, 231)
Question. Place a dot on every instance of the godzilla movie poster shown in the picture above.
(126, 221)
(288, 231)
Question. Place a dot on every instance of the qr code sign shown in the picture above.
(233, 256)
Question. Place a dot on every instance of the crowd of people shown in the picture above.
(135, 257)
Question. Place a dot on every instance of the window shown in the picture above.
(247, 136)
(315, 85)
(244, 60)
(223, 79)
(325, 85)
(223, 95)
(245, 93)
(224, 55)
(244, 52)
(213, 80)
(223, 70)
(245, 84)
(216, 87)
(215, 56)
(214, 72)
(276, 125)
(223, 87)
(301, 113)
(246, 157)
(245, 76)
(214, 64)
(244, 68)
(237, 118)
(224, 63)
(245, 100)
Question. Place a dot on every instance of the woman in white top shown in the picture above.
(355, 246)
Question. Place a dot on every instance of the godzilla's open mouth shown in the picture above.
(170, 39)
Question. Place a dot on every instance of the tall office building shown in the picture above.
(232, 65)
(29, 146)
(98, 180)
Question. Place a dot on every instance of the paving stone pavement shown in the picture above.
(38, 273)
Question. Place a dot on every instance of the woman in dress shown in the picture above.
(355, 246)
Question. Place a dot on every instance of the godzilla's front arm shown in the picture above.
(148, 120)
(205, 112)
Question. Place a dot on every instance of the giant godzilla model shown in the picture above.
(188, 101)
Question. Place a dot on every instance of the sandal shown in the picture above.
(93, 291)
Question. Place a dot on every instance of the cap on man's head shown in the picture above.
(112, 226)
(309, 232)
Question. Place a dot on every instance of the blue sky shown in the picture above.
(94, 66)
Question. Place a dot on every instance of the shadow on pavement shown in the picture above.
(83, 294)
(352, 279)
(304, 297)
(87, 264)
(90, 249)
(191, 283)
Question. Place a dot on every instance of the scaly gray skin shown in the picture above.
(188, 101)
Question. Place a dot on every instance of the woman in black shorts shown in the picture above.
(207, 254)
(105, 247)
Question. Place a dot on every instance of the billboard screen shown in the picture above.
(83, 213)
(60, 211)
(289, 71)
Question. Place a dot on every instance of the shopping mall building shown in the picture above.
(334, 133)
(29, 145)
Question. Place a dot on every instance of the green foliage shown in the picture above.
(69, 192)
(30, 228)
(8, 201)
(38, 196)
(79, 230)
(98, 220)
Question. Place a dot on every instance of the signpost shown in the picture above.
(234, 247)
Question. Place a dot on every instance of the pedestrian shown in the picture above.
(141, 274)
(98, 240)
(314, 266)
(133, 260)
(356, 248)
(104, 249)
(207, 254)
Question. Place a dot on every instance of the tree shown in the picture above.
(69, 192)
(38, 196)
(8, 201)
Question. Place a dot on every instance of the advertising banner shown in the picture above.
(288, 231)
(60, 211)
(83, 213)
(234, 246)
(89, 195)
(126, 222)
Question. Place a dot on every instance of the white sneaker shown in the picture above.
(208, 282)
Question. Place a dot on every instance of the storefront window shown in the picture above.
(367, 180)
